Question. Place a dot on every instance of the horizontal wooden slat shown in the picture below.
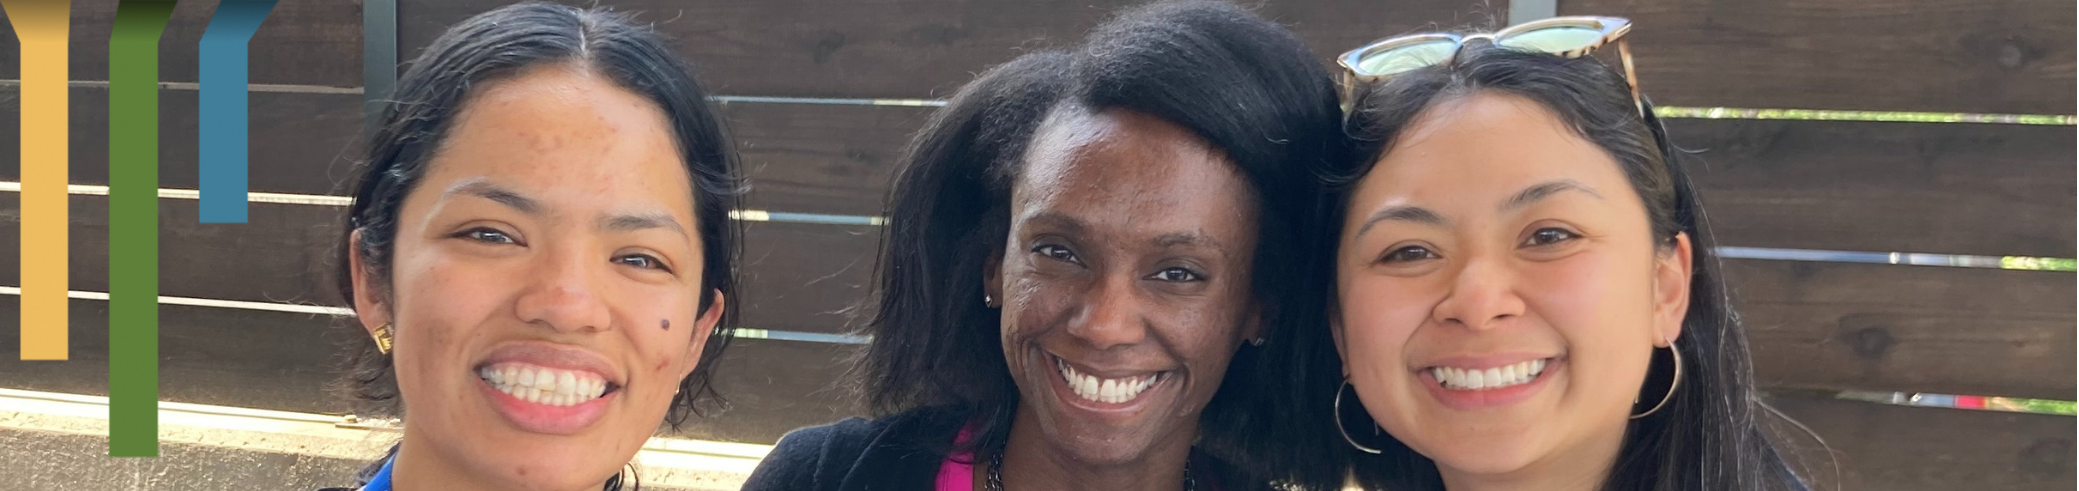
(1909, 328)
(805, 158)
(1887, 187)
(796, 277)
(919, 48)
(302, 42)
(297, 143)
(1992, 56)
(284, 361)
(819, 158)
(1925, 449)
(2011, 56)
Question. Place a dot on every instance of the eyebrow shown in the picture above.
(1528, 196)
(485, 189)
(642, 221)
(1188, 239)
(1545, 190)
(1415, 214)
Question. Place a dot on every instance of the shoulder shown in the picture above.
(840, 455)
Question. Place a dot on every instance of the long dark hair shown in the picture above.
(1241, 83)
(498, 45)
(1708, 436)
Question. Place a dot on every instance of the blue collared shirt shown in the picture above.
(381, 481)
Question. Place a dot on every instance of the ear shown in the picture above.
(1252, 323)
(1671, 277)
(368, 304)
(992, 277)
(703, 329)
(1335, 329)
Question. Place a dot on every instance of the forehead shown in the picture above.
(563, 132)
(1484, 145)
(1124, 163)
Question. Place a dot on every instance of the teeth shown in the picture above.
(543, 385)
(1110, 391)
(1491, 378)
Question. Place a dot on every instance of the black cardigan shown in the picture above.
(899, 452)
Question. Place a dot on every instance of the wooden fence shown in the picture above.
(1818, 327)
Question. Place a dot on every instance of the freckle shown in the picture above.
(666, 323)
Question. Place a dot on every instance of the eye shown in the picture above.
(1549, 236)
(488, 235)
(1178, 275)
(643, 261)
(1407, 255)
(1058, 252)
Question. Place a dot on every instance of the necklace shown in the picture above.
(996, 473)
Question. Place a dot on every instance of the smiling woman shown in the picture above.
(1526, 291)
(1084, 252)
(546, 198)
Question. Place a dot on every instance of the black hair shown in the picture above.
(1708, 436)
(1243, 84)
(499, 45)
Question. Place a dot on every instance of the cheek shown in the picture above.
(440, 305)
(1602, 308)
(1380, 315)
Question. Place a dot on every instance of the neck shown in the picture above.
(1582, 467)
(1031, 463)
(420, 466)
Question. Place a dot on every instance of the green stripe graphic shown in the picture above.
(133, 231)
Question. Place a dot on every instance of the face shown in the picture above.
(1500, 290)
(1125, 282)
(545, 284)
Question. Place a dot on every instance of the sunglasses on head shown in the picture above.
(1566, 37)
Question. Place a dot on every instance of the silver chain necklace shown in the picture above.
(995, 482)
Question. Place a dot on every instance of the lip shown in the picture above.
(1165, 383)
(541, 418)
(1470, 400)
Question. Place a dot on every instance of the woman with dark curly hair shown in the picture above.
(1084, 252)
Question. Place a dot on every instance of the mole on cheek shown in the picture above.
(666, 323)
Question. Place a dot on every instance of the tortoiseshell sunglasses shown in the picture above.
(1566, 37)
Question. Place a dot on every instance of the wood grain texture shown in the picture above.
(922, 48)
(1874, 446)
(298, 143)
(1837, 326)
(1996, 56)
(1887, 187)
(303, 42)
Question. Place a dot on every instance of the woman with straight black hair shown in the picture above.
(1526, 291)
(540, 252)
(1084, 250)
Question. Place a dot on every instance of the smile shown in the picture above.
(1104, 390)
(543, 385)
(1471, 379)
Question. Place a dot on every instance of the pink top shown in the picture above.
(958, 471)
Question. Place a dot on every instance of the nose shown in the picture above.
(560, 293)
(1112, 315)
(1482, 295)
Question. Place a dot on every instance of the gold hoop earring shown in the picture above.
(1676, 383)
(1339, 422)
(383, 338)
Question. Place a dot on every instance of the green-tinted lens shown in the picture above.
(1408, 57)
(1555, 39)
